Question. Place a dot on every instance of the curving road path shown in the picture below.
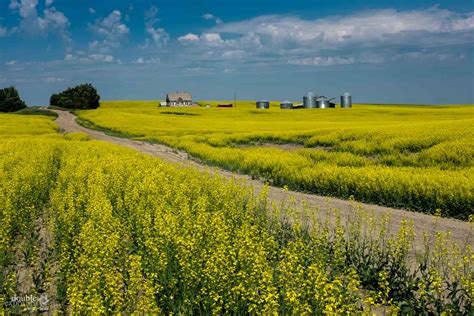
(461, 232)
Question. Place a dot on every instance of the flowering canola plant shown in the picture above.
(122, 232)
(413, 157)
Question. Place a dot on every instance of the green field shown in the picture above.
(414, 157)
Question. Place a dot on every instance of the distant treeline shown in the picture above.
(10, 100)
(83, 96)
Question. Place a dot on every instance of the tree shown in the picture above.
(83, 96)
(10, 100)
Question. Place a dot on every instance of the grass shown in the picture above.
(36, 111)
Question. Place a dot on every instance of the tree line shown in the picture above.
(83, 96)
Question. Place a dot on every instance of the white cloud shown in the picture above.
(464, 23)
(52, 20)
(377, 58)
(159, 36)
(26, 8)
(101, 58)
(233, 54)
(11, 63)
(190, 37)
(210, 16)
(91, 10)
(208, 39)
(3, 31)
(368, 37)
(373, 26)
(323, 61)
(90, 58)
(111, 30)
(212, 38)
(110, 26)
(142, 60)
(53, 79)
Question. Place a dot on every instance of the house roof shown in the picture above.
(176, 96)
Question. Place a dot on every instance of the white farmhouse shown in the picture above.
(179, 99)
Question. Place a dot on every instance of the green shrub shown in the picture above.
(83, 96)
(36, 111)
(10, 100)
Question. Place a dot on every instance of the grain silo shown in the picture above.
(323, 103)
(263, 104)
(346, 100)
(286, 105)
(309, 100)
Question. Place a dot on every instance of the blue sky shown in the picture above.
(380, 51)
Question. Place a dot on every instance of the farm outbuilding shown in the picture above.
(286, 105)
(263, 104)
(346, 100)
(179, 99)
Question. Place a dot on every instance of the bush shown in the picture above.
(10, 100)
(83, 96)
(36, 111)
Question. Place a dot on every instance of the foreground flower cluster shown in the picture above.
(102, 229)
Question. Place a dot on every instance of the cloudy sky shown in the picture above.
(381, 51)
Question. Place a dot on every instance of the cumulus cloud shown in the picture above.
(210, 16)
(52, 20)
(91, 10)
(366, 37)
(111, 26)
(213, 38)
(209, 38)
(190, 37)
(380, 26)
(158, 35)
(110, 30)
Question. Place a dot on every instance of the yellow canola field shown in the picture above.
(414, 157)
(102, 229)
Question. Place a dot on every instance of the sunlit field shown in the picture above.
(413, 157)
(103, 229)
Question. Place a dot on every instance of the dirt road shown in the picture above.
(461, 232)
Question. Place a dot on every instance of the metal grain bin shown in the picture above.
(309, 100)
(346, 100)
(322, 103)
(264, 104)
(286, 105)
